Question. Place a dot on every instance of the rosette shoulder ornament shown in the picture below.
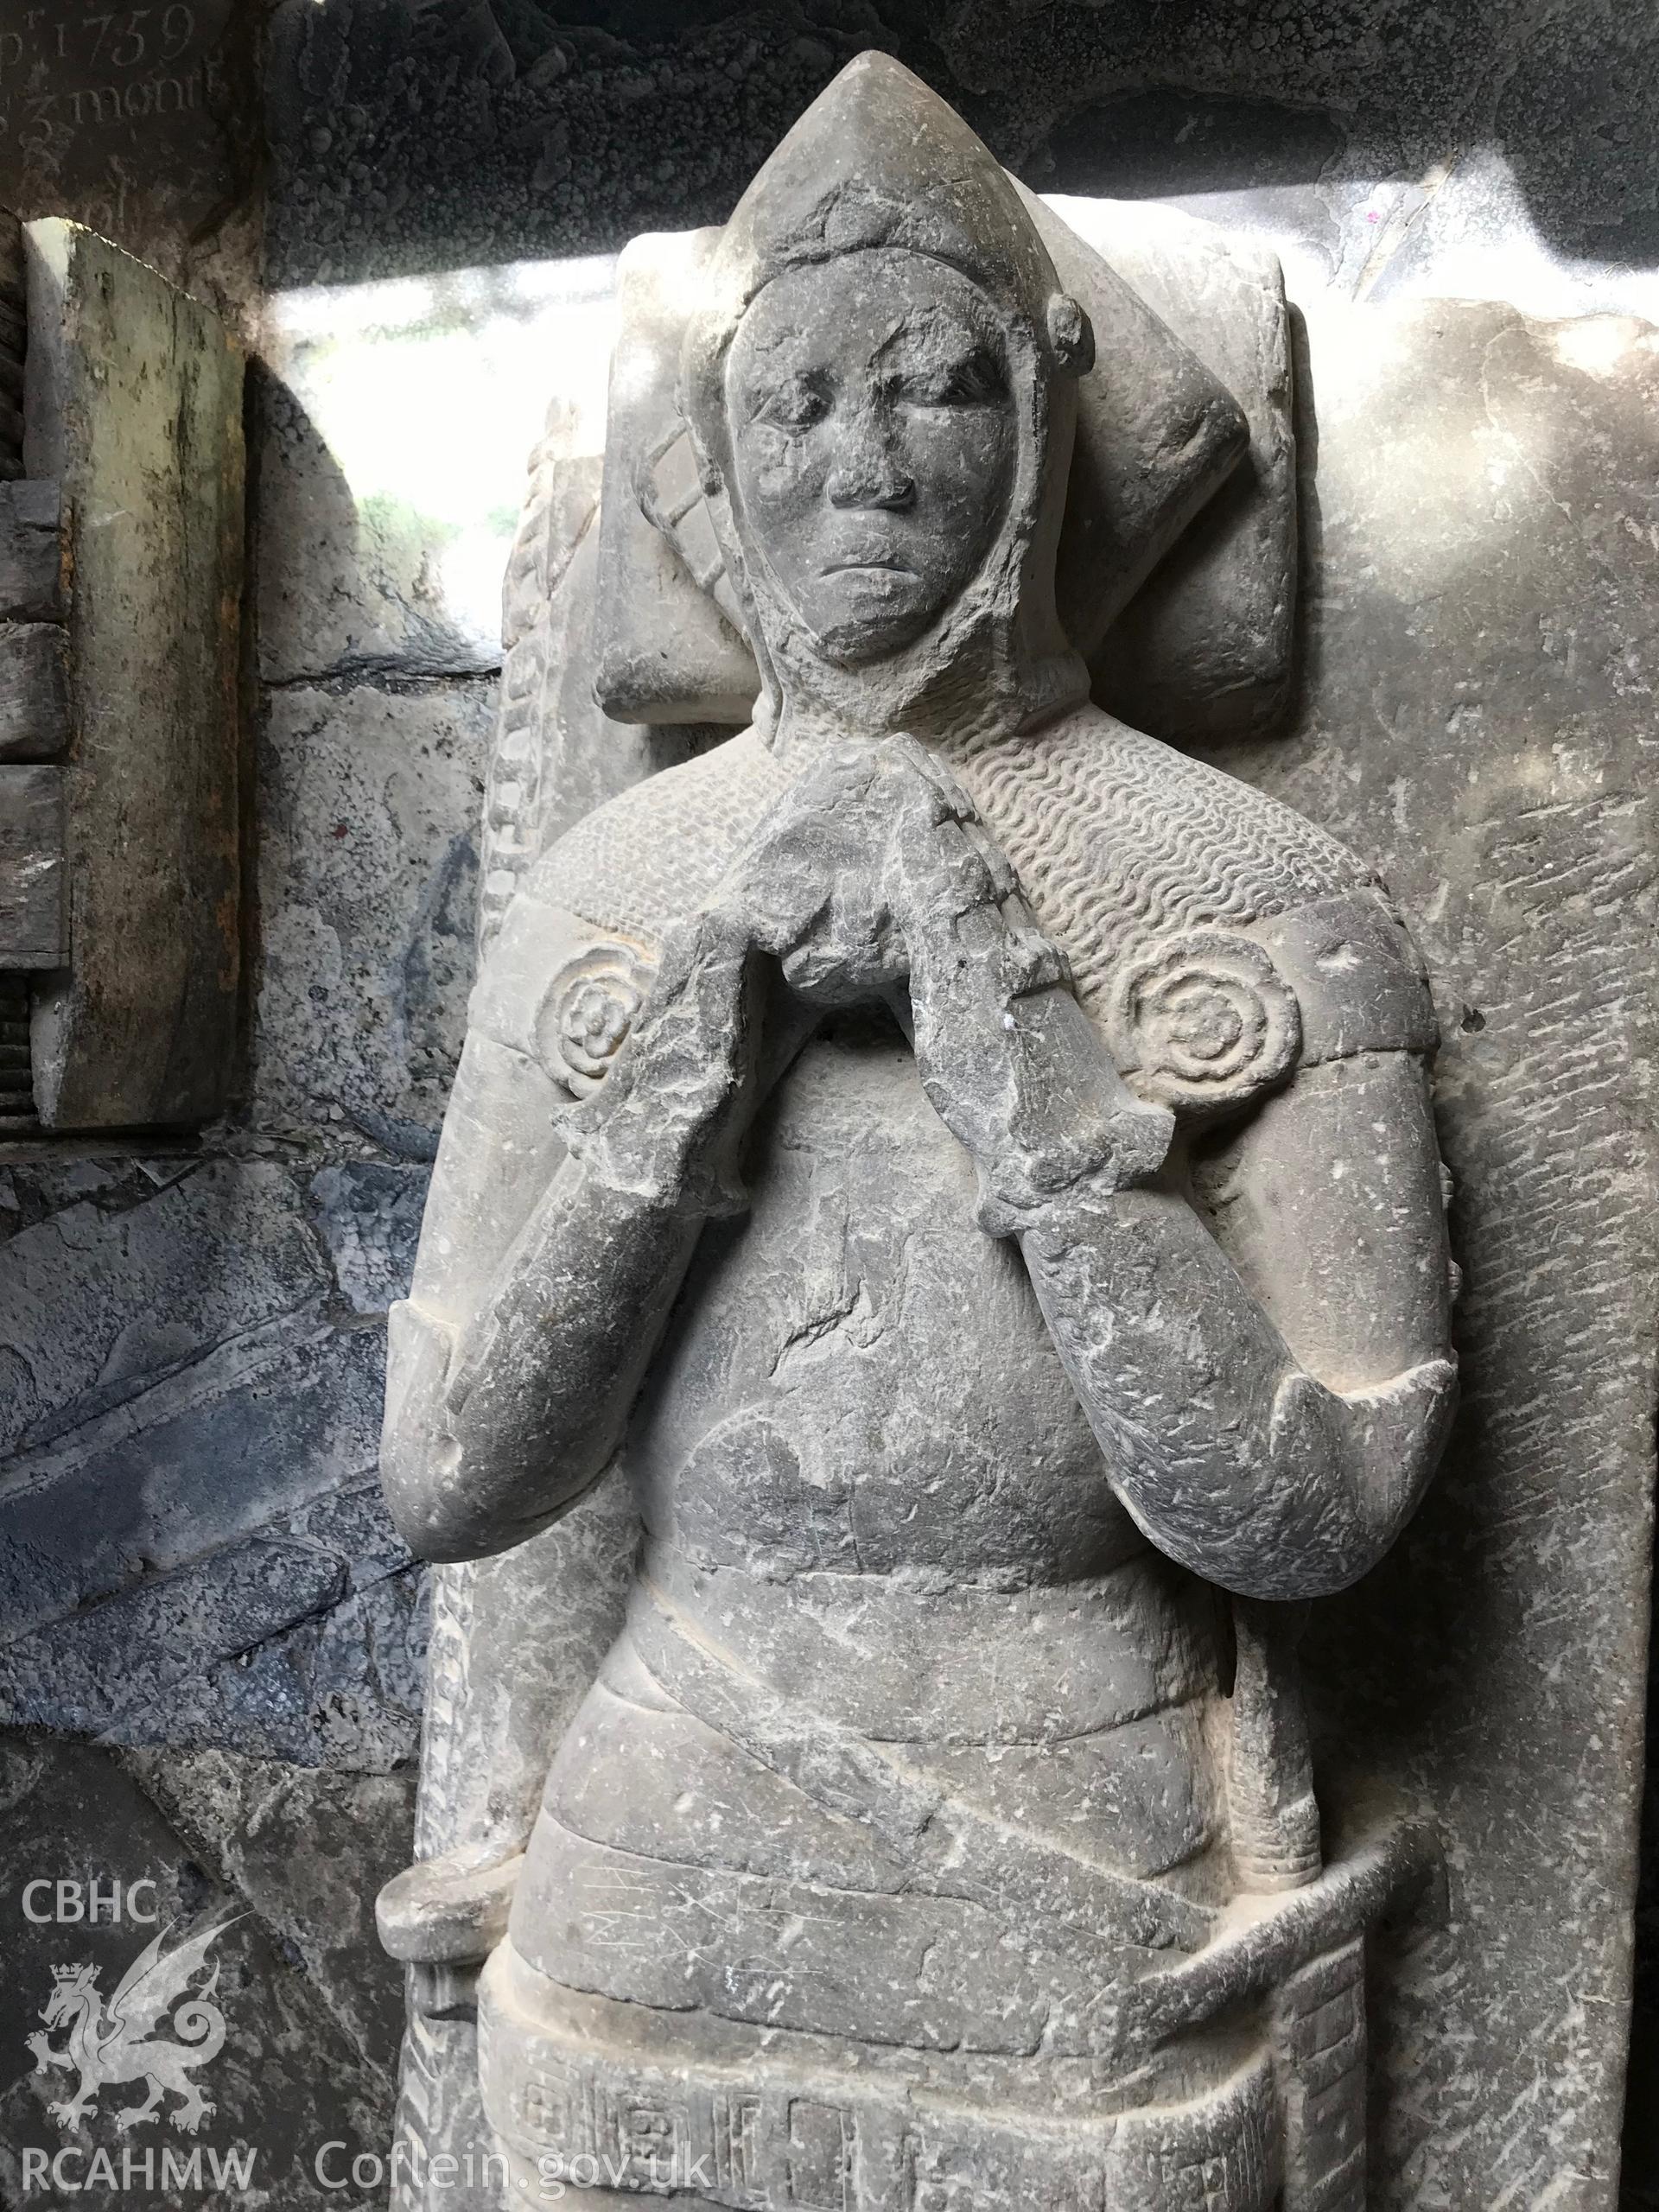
(1202, 1021)
(586, 1013)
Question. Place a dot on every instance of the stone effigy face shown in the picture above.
(971, 1167)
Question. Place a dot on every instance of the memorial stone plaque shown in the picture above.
(138, 122)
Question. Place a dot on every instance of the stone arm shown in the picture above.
(513, 1370)
(1262, 1350)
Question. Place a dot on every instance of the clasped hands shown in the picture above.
(872, 879)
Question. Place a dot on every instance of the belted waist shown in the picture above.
(898, 1664)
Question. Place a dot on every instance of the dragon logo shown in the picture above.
(117, 2043)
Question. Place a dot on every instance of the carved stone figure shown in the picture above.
(972, 1166)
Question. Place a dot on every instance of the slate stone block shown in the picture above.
(130, 1670)
(1483, 651)
(369, 1217)
(303, 1642)
(31, 552)
(33, 921)
(343, 1689)
(293, 2073)
(34, 691)
(308, 1849)
(127, 1283)
(266, 1422)
(368, 885)
(135, 406)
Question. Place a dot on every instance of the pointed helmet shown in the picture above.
(879, 162)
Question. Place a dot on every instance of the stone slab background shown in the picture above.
(1482, 639)
(213, 1641)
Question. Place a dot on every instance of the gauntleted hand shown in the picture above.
(868, 850)
(875, 878)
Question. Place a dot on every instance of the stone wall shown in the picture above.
(212, 1650)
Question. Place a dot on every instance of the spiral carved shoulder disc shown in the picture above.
(587, 1012)
(1203, 1020)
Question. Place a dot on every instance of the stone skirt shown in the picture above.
(585, 2090)
(836, 1919)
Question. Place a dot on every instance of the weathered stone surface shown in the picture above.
(663, 652)
(368, 872)
(307, 1848)
(180, 1375)
(556, 754)
(135, 406)
(130, 1277)
(494, 132)
(203, 1455)
(45, 1180)
(1472, 230)
(180, 1368)
(1207, 648)
(369, 1217)
(1159, 433)
(33, 922)
(510, 133)
(496, 1707)
(14, 335)
(1482, 646)
(16, 1095)
(292, 1644)
(31, 552)
(34, 691)
(1639, 2174)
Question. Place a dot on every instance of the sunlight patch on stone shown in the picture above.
(426, 394)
